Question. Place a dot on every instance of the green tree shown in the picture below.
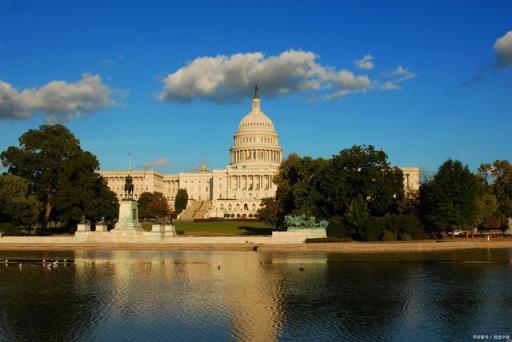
(269, 210)
(143, 203)
(486, 208)
(499, 177)
(348, 190)
(449, 200)
(85, 195)
(153, 205)
(60, 174)
(181, 200)
(297, 188)
(17, 206)
(361, 171)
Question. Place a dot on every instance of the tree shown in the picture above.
(269, 210)
(499, 177)
(297, 190)
(17, 206)
(181, 200)
(486, 209)
(60, 174)
(86, 195)
(448, 201)
(361, 171)
(153, 205)
(349, 190)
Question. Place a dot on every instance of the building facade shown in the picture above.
(237, 190)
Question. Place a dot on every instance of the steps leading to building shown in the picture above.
(190, 210)
(203, 209)
(196, 210)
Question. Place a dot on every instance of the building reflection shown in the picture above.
(188, 288)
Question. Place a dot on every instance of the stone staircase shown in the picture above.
(196, 210)
(190, 210)
(204, 208)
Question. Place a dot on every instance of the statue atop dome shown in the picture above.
(256, 100)
(255, 96)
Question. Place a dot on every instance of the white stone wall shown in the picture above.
(197, 184)
(411, 179)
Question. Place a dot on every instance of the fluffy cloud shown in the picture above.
(503, 50)
(158, 162)
(365, 63)
(230, 78)
(59, 100)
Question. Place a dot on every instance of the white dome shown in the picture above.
(256, 143)
(256, 121)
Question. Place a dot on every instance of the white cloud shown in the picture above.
(59, 100)
(390, 85)
(158, 162)
(365, 63)
(503, 50)
(392, 79)
(231, 78)
(402, 74)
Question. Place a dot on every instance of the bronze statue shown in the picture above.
(255, 96)
(302, 221)
(128, 187)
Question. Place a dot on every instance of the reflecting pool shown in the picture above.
(192, 296)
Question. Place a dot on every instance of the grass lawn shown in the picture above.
(216, 228)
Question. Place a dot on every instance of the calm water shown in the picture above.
(192, 296)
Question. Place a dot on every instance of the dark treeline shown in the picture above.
(363, 197)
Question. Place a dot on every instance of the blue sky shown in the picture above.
(448, 94)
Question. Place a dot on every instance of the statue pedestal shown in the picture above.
(128, 220)
(83, 231)
(101, 227)
(157, 228)
(83, 227)
(160, 231)
(299, 234)
(169, 230)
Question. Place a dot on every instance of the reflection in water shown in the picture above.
(160, 295)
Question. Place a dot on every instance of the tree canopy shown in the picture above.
(449, 200)
(17, 206)
(152, 205)
(61, 175)
(181, 200)
(349, 190)
(499, 177)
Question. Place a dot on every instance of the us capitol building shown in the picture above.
(235, 191)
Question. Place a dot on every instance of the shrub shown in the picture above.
(374, 229)
(9, 229)
(405, 224)
(405, 237)
(336, 227)
(388, 235)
